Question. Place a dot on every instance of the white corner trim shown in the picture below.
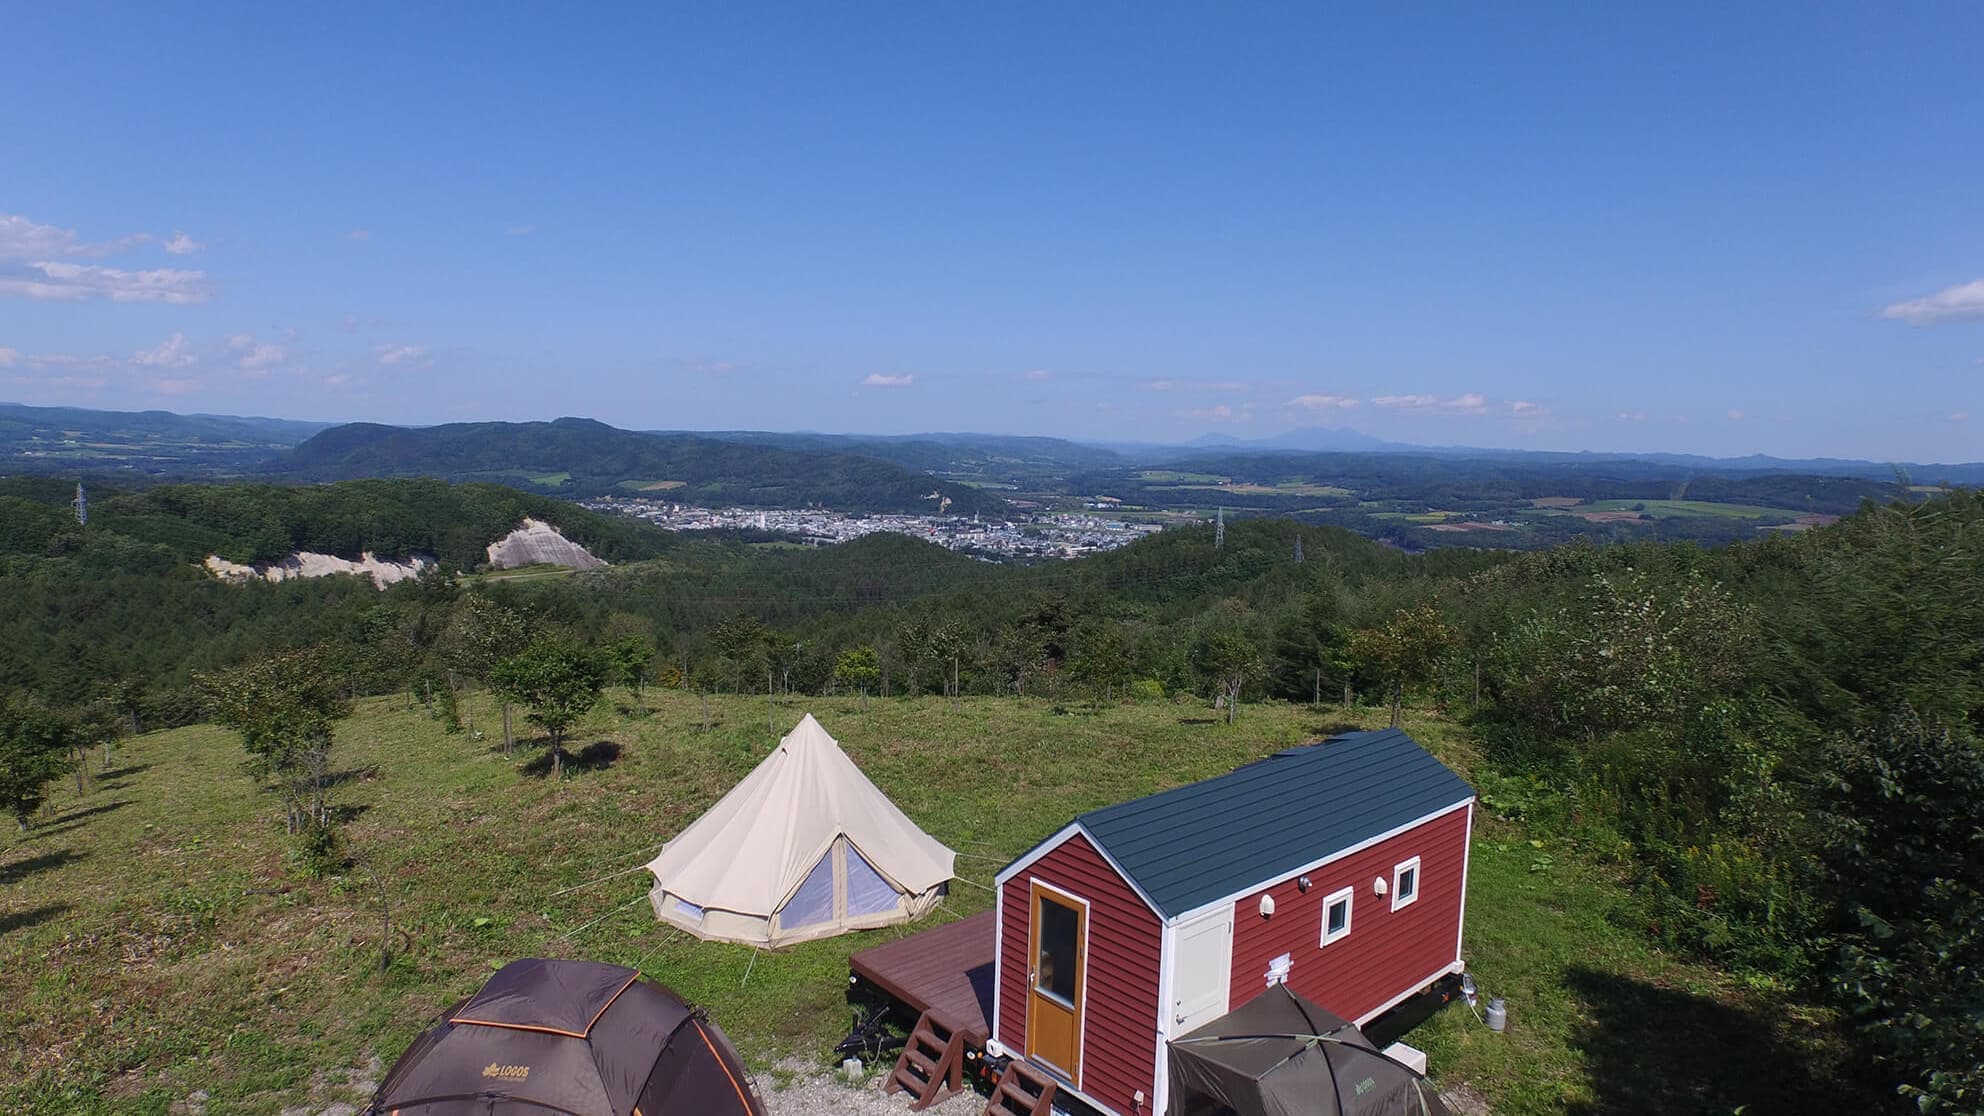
(1466, 853)
(1167, 983)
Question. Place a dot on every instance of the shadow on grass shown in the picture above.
(596, 756)
(74, 819)
(1650, 1049)
(1327, 729)
(22, 869)
(1199, 720)
(118, 776)
(33, 916)
(93, 811)
(352, 775)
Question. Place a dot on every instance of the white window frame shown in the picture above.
(1347, 897)
(1400, 902)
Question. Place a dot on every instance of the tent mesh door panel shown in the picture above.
(813, 903)
(867, 892)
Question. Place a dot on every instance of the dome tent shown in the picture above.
(804, 847)
(568, 1038)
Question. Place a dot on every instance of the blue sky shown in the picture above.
(1716, 228)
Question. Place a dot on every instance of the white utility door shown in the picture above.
(1202, 973)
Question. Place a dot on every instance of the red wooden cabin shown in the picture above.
(1339, 868)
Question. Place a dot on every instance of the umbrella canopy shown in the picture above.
(1280, 1055)
(569, 1038)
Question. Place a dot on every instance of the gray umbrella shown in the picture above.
(1280, 1055)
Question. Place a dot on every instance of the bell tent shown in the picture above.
(568, 1038)
(805, 847)
(1280, 1055)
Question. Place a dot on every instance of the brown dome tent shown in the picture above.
(569, 1038)
(1280, 1055)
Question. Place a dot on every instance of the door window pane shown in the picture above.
(1059, 929)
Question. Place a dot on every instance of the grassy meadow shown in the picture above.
(158, 938)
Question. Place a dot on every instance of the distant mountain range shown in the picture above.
(581, 457)
(1322, 439)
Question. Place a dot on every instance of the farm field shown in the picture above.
(1669, 509)
(157, 940)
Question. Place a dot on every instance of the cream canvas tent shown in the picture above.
(805, 847)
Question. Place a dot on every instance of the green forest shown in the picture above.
(1776, 742)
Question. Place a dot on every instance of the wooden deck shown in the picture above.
(945, 970)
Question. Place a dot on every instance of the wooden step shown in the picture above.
(931, 1066)
(1022, 1091)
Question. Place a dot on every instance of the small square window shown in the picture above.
(1336, 915)
(1405, 883)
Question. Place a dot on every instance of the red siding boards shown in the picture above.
(1387, 953)
(1119, 1020)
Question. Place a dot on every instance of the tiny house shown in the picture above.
(1337, 868)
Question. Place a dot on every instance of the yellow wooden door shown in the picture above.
(1057, 951)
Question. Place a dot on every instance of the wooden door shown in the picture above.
(1057, 960)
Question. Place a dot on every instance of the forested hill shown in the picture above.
(580, 457)
(391, 519)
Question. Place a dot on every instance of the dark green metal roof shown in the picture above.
(1190, 845)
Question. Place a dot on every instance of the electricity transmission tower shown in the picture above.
(82, 505)
(1219, 527)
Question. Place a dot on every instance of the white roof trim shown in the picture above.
(1465, 803)
(1061, 838)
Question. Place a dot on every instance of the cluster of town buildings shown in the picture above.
(1057, 535)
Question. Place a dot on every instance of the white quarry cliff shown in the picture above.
(304, 563)
(538, 543)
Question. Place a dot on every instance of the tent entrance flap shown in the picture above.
(842, 889)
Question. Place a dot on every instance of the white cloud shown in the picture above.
(181, 244)
(1523, 408)
(410, 355)
(1632, 416)
(8, 357)
(359, 234)
(1469, 403)
(176, 387)
(255, 355)
(1963, 301)
(170, 354)
(876, 379)
(22, 239)
(1323, 402)
(520, 230)
(1194, 385)
(69, 282)
(1220, 413)
(1039, 374)
(1735, 415)
(1959, 416)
